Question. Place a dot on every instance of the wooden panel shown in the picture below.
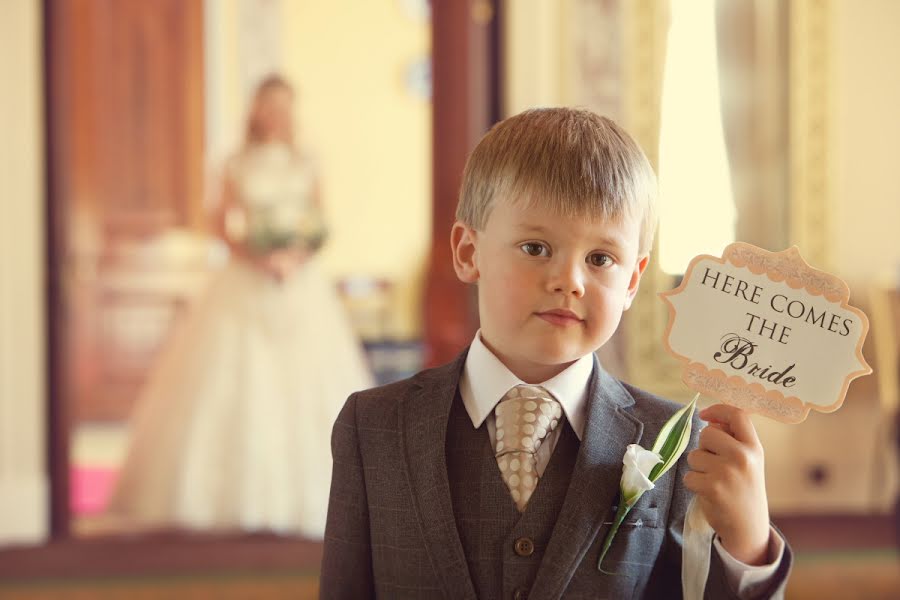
(128, 105)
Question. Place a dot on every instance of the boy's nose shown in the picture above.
(568, 279)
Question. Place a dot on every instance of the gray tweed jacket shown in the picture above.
(391, 531)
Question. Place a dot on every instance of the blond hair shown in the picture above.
(572, 161)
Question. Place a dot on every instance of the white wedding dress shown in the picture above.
(233, 430)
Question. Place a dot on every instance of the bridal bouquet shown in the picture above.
(273, 227)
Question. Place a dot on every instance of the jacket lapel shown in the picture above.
(423, 429)
(594, 486)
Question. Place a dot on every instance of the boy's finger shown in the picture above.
(694, 481)
(716, 440)
(703, 461)
(737, 421)
(699, 483)
(719, 426)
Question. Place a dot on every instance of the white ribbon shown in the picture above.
(695, 552)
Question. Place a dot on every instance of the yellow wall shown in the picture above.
(866, 140)
(23, 479)
(371, 136)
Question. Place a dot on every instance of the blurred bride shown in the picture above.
(233, 429)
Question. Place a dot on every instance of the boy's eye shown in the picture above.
(599, 259)
(534, 249)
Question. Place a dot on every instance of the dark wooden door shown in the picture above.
(125, 114)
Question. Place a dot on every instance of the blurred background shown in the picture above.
(770, 122)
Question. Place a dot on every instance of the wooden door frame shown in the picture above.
(58, 413)
(467, 82)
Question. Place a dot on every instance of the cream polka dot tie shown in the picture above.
(524, 418)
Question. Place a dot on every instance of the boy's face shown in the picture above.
(551, 289)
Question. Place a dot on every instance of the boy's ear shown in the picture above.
(639, 268)
(463, 246)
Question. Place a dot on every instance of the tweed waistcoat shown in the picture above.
(503, 548)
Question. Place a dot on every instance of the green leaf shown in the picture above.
(673, 438)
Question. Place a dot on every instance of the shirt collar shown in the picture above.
(485, 380)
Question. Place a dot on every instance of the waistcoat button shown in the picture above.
(520, 594)
(524, 546)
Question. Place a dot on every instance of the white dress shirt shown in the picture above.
(484, 382)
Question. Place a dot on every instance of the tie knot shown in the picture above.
(524, 417)
(532, 392)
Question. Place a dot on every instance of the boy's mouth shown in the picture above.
(560, 316)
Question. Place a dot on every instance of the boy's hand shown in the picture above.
(727, 476)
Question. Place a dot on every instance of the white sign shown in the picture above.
(766, 332)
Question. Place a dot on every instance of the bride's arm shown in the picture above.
(229, 222)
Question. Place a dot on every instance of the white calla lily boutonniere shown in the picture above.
(643, 467)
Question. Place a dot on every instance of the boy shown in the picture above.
(435, 484)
